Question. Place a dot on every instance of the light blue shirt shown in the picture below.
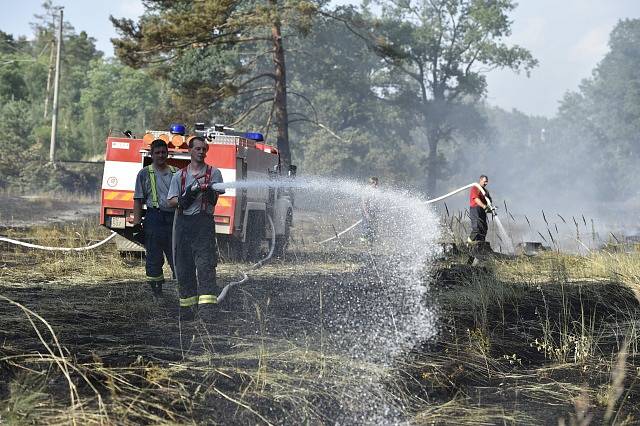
(175, 188)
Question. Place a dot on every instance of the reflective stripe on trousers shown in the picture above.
(198, 300)
(159, 278)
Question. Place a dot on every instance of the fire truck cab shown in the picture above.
(241, 215)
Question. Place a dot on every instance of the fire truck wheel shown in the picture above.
(282, 241)
(237, 250)
(255, 235)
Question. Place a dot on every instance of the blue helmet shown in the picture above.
(177, 129)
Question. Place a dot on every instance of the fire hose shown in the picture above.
(433, 200)
(244, 274)
(48, 248)
(253, 267)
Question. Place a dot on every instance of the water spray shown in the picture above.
(432, 201)
(261, 262)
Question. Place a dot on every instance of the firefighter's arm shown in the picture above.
(213, 191)
(138, 200)
(189, 195)
(212, 197)
(216, 178)
(485, 206)
(137, 212)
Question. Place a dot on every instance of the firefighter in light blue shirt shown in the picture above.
(152, 188)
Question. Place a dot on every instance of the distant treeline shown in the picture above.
(397, 93)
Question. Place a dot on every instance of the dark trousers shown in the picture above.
(370, 227)
(196, 259)
(157, 242)
(479, 225)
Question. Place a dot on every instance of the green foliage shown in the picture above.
(221, 55)
(96, 95)
(602, 120)
(435, 53)
(398, 94)
(116, 98)
(340, 124)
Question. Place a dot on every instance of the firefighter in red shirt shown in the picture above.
(478, 209)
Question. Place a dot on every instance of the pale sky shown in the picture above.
(568, 37)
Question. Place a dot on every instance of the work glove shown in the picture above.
(189, 196)
(211, 193)
(489, 209)
(211, 187)
(138, 233)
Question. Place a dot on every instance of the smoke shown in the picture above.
(548, 177)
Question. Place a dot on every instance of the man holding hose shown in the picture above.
(478, 209)
(196, 251)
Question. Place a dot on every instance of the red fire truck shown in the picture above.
(241, 215)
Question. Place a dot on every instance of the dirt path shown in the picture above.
(33, 210)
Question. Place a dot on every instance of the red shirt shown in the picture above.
(475, 193)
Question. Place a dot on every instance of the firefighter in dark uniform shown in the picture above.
(369, 214)
(478, 209)
(196, 251)
(151, 189)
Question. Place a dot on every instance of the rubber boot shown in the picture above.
(208, 312)
(188, 314)
(158, 290)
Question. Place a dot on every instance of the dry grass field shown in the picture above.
(549, 339)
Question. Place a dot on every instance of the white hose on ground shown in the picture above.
(341, 232)
(253, 267)
(47, 248)
(434, 200)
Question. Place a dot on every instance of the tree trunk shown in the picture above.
(281, 115)
(435, 118)
(432, 162)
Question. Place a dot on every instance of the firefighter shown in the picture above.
(369, 214)
(478, 209)
(152, 187)
(196, 251)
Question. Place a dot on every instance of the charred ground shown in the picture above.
(524, 340)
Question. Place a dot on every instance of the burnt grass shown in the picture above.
(116, 331)
(489, 356)
(263, 358)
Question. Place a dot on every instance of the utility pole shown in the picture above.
(49, 75)
(56, 82)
